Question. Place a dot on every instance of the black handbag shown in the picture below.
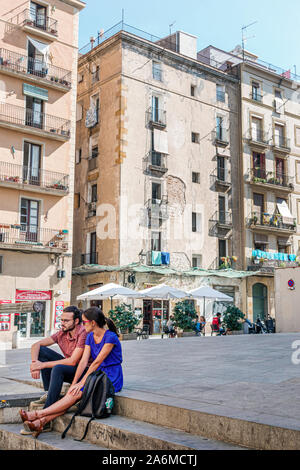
(96, 401)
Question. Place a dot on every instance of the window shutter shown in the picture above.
(35, 92)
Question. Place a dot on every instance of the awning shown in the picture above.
(35, 92)
(260, 238)
(287, 217)
(41, 47)
(160, 141)
(283, 241)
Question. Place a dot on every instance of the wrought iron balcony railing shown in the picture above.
(157, 117)
(220, 136)
(282, 143)
(222, 218)
(24, 175)
(20, 234)
(221, 176)
(272, 221)
(27, 65)
(89, 258)
(258, 137)
(256, 96)
(261, 176)
(20, 116)
(156, 162)
(28, 18)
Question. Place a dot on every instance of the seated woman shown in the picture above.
(105, 348)
(202, 324)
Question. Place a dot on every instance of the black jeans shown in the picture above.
(54, 378)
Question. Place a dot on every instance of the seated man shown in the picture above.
(57, 368)
(216, 325)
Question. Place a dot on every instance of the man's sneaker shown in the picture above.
(42, 400)
(47, 428)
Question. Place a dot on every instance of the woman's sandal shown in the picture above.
(36, 427)
(28, 415)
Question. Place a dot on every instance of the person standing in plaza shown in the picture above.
(54, 367)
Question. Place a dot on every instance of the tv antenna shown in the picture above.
(170, 27)
(244, 39)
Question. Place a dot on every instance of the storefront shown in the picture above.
(156, 314)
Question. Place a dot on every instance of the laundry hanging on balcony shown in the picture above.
(287, 217)
(43, 49)
(161, 141)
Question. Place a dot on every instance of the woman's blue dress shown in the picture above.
(112, 364)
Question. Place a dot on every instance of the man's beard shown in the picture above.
(69, 329)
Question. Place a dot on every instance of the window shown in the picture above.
(32, 163)
(36, 64)
(156, 71)
(283, 245)
(95, 151)
(195, 177)
(222, 209)
(29, 219)
(261, 242)
(221, 168)
(95, 103)
(259, 165)
(1, 264)
(220, 93)
(34, 112)
(297, 136)
(96, 74)
(94, 193)
(156, 241)
(256, 129)
(38, 14)
(197, 261)
(278, 94)
(222, 250)
(156, 192)
(279, 135)
(256, 92)
(195, 138)
(196, 222)
(219, 128)
(93, 248)
(193, 90)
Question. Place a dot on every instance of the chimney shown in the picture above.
(92, 41)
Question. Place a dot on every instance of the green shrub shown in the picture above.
(124, 318)
(184, 314)
(232, 318)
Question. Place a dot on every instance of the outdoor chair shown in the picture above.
(142, 333)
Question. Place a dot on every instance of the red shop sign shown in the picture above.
(33, 294)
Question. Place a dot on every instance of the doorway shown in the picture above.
(260, 301)
(156, 315)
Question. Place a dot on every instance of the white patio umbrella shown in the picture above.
(110, 291)
(162, 291)
(207, 292)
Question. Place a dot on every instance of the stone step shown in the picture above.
(11, 439)
(119, 433)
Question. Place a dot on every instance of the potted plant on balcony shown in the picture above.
(125, 320)
(233, 320)
(184, 316)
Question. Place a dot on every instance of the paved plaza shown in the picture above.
(250, 377)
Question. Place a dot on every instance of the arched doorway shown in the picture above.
(260, 301)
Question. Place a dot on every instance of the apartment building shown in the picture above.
(156, 153)
(38, 73)
(270, 166)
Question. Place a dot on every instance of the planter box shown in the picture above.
(185, 334)
(240, 332)
(127, 336)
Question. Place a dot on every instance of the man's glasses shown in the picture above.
(62, 320)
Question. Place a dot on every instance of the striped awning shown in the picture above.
(35, 92)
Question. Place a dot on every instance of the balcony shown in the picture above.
(89, 258)
(258, 139)
(271, 180)
(31, 179)
(256, 97)
(225, 262)
(157, 258)
(158, 208)
(32, 238)
(40, 25)
(220, 137)
(156, 163)
(34, 70)
(220, 224)
(92, 209)
(267, 262)
(272, 223)
(156, 117)
(281, 144)
(221, 179)
(32, 122)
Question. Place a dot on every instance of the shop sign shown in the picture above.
(59, 306)
(5, 318)
(33, 295)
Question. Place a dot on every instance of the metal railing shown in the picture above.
(157, 116)
(89, 258)
(274, 221)
(220, 135)
(11, 173)
(258, 137)
(33, 235)
(260, 175)
(282, 142)
(221, 175)
(158, 208)
(27, 65)
(38, 21)
(26, 117)
(222, 218)
(256, 96)
(275, 69)
(157, 161)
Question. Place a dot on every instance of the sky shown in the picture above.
(215, 22)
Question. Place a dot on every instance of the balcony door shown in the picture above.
(38, 14)
(258, 206)
(221, 168)
(30, 219)
(279, 170)
(222, 210)
(256, 129)
(219, 127)
(279, 135)
(34, 112)
(93, 247)
(36, 61)
(259, 165)
(222, 251)
(32, 163)
(155, 108)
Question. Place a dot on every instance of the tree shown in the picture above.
(124, 318)
(232, 318)
(183, 315)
